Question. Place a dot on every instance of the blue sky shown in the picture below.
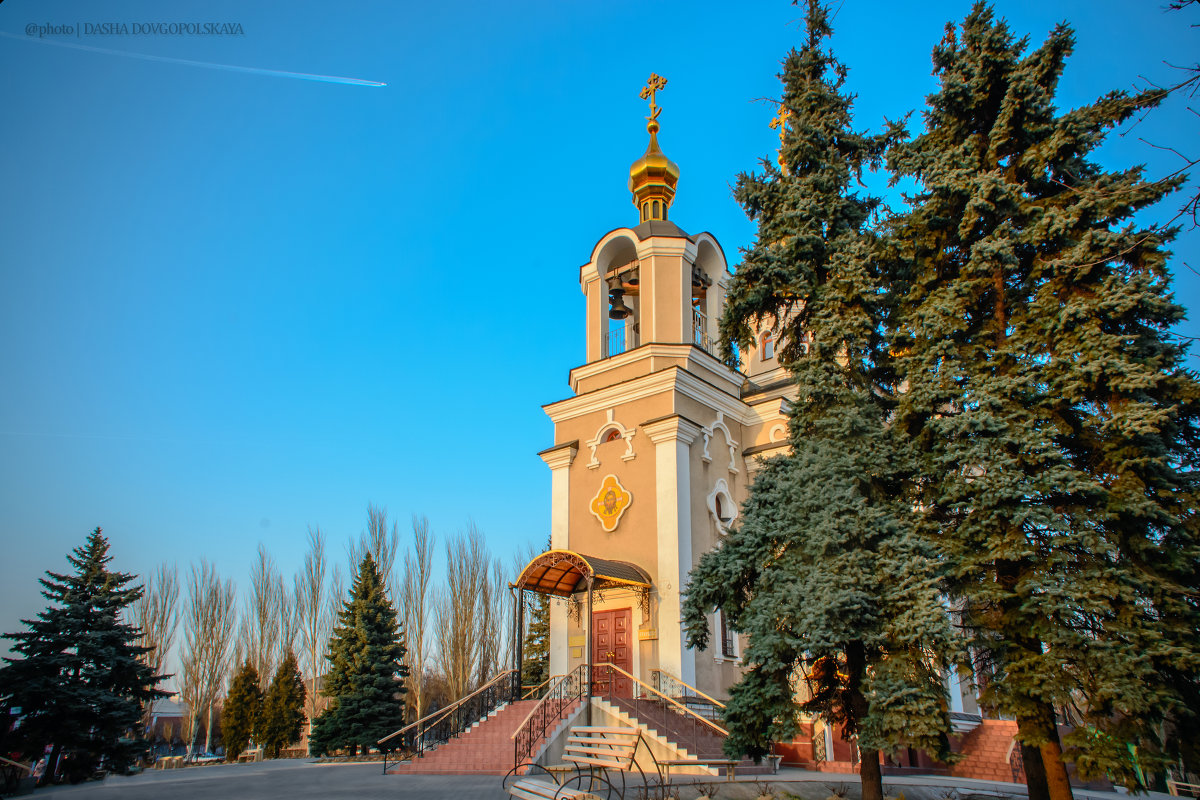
(235, 305)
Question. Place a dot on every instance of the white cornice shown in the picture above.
(680, 350)
(559, 457)
(672, 429)
(673, 378)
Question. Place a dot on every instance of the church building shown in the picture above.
(655, 447)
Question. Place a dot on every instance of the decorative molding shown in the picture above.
(611, 424)
(708, 432)
(560, 456)
(778, 433)
(610, 503)
(721, 489)
(670, 429)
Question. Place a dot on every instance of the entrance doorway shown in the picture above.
(611, 643)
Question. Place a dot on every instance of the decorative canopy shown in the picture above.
(563, 572)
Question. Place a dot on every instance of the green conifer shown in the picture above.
(79, 682)
(243, 707)
(365, 678)
(1058, 426)
(825, 572)
(536, 648)
(283, 708)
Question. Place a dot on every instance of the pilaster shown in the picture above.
(672, 438)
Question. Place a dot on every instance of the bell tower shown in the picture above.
(655, 446)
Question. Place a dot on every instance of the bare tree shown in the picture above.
(156, 616)
(494, 621)
(382, 541)
(210, 621)
(261, 634)
(414, 597)
(315, 612)
(458, 610)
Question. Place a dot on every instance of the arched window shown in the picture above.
(656, 209)
(612, 435)
(722, 514)
(768, 346)
(645, 211)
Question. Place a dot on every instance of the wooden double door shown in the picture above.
(612, 643)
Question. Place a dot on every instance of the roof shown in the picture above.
(564, 572)
(659, 227)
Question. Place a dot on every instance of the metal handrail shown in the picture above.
(679, 706)
(558, 679)
(444, 711)
(539, 686)
(528, 733)
(698, 693)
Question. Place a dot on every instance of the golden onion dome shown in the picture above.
(653, 177)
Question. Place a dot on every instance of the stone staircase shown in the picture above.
(691, 741)
(985, 750)
(486, 748)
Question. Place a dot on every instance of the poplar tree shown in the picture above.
(243, 706)
(80, 680)
(825, 573)
(282, 709)
(366, 672)
(1057, 425)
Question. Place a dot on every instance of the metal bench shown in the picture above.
(593, 754)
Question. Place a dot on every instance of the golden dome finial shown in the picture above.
(653, 177)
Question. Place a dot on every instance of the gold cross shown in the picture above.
(656, 83)
(780, 121)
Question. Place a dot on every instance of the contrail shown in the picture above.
(227, 67)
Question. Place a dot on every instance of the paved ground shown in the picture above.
(303, 780)
(287, 779)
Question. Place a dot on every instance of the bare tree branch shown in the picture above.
(415, 599)
(209, 624)
(156, 616)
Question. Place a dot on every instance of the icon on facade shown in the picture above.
(610, 502)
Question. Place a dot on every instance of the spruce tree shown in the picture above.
(243, 707)
(1057, 424)
(536, 648)
(365, 678)
(825, 572)
(283, 708)
(80, 682)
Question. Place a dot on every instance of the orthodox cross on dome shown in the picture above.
(656, 83)
(780, 121)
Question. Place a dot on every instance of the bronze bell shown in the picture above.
(616, 301)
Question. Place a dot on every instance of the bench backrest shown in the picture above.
(607, 748)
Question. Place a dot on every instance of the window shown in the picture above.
(729, 642)
(722, 513)
(612, 435)
(768, 346)
(656, 209)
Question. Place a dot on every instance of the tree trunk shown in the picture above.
(1035, 773)
(51, 766)
(869, 774)
(208, 732)
(1056, 771)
